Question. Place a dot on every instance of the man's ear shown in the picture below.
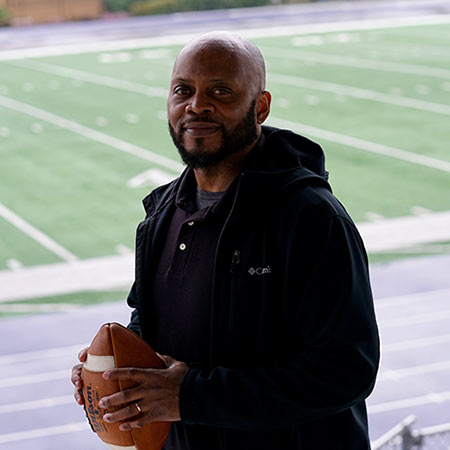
(263, 106)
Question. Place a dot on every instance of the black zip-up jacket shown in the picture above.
(294, 345)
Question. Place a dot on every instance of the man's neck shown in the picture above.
(219, 177)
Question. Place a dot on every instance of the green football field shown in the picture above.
(79, 133)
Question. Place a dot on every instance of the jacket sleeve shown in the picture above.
(134, 324)
(332, 360)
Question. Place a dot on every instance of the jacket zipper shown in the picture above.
(211, 327)
(235, 260)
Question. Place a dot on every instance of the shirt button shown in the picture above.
(191, 223)
(182, 246)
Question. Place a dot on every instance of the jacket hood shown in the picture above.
(282, 150)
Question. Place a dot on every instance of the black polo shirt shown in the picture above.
(182, 282)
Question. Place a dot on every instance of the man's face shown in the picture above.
(211, 107)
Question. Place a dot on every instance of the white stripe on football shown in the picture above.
(96, 363)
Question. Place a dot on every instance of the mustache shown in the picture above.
(201, 119)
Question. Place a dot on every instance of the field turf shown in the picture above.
(388, 87)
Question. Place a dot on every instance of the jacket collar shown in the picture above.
(279, 160)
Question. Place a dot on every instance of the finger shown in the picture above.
(168, 360)
(122, 414)
(121, 397)
(139, 420)
(152, 411)
(76, 376)
(82, 355)
(130, 373)
(139, 423)
(78, 397)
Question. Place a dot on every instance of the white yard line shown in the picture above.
(317, 132)
(33, 378)
(177, 167)
(409, 299)
(417, 319)
(50, 402)
(361, 144)
(58, 352)
(351, 91)
(101, 80)
(406, 372)
(43, 432)
(151, 177)
(427, 399)
(35, 234)
(362, 94)
(431, 398)
(90, 133)
(416, 343)
(17, 358)
(361, 63)
(164, 41)
(414, 49)
(37, 307)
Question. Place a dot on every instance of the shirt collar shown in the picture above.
(185, 198)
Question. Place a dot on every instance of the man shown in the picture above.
(250, 275)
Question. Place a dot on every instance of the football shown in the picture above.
(116, 346)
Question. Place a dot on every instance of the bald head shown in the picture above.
(249, 57)
(217, 100)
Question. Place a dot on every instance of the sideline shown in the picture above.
(117, 271)
(92, 274)
(164, 41)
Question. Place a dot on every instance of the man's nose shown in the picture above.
(199, 103)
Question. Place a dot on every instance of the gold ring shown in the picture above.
(138, 407)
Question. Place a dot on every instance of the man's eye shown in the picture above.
(221, 91)
(181, 90)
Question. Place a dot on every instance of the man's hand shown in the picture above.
(156, 395)
(76, 376)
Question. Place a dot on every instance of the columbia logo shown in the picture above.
(260, 270)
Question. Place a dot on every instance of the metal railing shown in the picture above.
(403, 437)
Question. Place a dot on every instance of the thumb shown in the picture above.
(168, 360)
(82, 355)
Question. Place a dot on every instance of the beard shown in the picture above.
(233, 141)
